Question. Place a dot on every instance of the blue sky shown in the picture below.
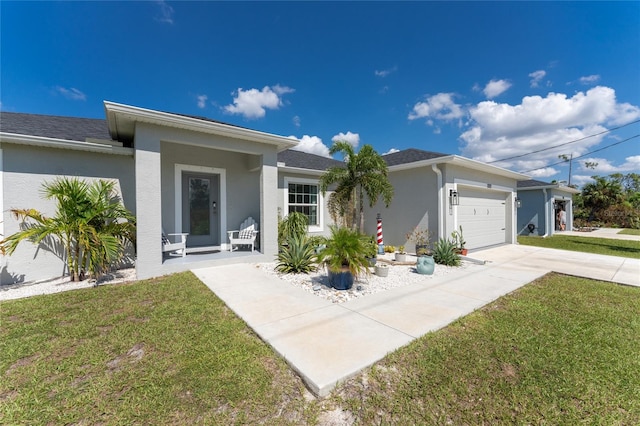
(485, 80)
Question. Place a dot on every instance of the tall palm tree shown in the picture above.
(90, 222)
(365, 173)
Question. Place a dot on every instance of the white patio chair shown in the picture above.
(246, 235)
(177, 247)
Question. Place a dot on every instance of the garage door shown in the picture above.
(482, 216)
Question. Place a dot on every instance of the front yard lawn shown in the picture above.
(630, 232)
(164, 351)
(561, 350)
(611, 247)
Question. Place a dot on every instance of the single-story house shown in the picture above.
(540, 206)
(157, 157)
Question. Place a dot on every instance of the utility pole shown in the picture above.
(568, 158)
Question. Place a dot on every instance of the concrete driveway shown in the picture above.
(328, 343)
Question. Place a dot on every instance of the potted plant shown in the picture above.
(459, 241)
(371, 250)
(382, 269)
(401, 255)
(344, 257)
(421, 238)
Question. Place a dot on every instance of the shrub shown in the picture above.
(345, 249)
(444, 253)
(297, 256)
(294, 224)
(389, 249)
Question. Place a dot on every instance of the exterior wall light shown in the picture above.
(518, 203)
(454, 200)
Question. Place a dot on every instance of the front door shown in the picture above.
(200, 206)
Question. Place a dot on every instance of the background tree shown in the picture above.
(90, 223)
(364, 174)
(613, 200)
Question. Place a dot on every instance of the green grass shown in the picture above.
(630, 232)
(621, 248)
(561, 350)
(160, 351)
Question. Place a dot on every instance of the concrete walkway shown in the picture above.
(327, 343)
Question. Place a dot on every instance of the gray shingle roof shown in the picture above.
(410, 155)
(304, 160)
(532, 183)
(51, 126)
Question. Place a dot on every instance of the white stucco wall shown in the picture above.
(24, 170)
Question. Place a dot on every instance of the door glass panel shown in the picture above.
(199, 206)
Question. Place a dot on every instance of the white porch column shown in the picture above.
(148, 202)
(269, 205)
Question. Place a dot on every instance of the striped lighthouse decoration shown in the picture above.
(379, 235)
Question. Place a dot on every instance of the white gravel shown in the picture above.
(317, 282)
(57, 285)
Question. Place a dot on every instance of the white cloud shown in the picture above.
(604, 166)
(440, 106)
(589, 79)
(536, 77)
(311, 145)
(495, 88)
(296, 121)
(544, 172)
(352, 139)
(72, 93)
(202, 100)
(253, 103)
(500, 131)
(391, 151)
(166, 12)
(384, 73)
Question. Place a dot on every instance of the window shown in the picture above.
(303, 198)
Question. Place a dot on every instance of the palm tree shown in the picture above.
(365, 173)
(90, 222)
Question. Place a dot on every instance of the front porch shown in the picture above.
(210, 256)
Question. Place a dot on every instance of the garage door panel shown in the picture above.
(482, 215)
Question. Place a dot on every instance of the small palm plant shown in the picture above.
(294, 224)
(345, 252)
(90, 222)
(297, 256)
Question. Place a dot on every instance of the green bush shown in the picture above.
(444, 253)
(345, 249)
(297, 256)
(294, 224)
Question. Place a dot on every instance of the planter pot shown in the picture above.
(341, 280)
(372, 261)
(401, 257)
(464, 251)
(425, 265)
(382, 271)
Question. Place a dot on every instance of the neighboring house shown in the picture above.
(161, 160)
(541, 202)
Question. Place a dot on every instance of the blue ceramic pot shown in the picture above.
(341, 280)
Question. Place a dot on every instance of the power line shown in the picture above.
(565, 143)
(584, 155)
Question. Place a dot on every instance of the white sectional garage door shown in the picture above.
(482, 215)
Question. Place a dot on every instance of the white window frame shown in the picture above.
(287, 180)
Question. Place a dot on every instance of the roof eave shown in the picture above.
(121, 120)
(552, 186)
(462, 161)
(104, 148)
